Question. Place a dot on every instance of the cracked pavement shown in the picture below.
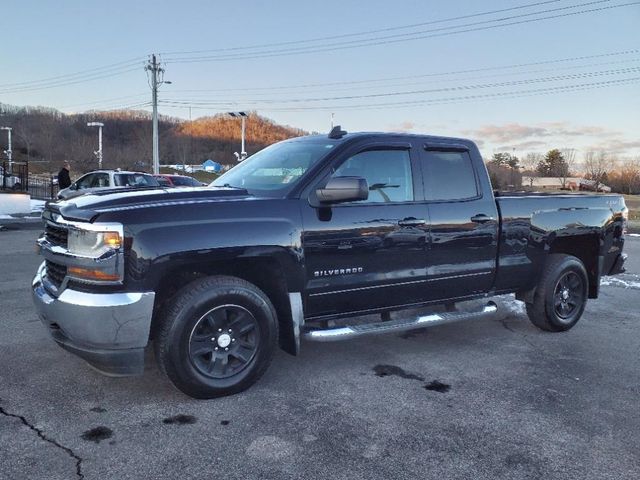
(494, 398)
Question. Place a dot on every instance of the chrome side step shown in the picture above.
(344, 333)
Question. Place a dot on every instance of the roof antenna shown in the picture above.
(337, 132)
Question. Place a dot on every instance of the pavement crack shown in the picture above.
(47, 439)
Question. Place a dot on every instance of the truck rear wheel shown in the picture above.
(561, 294)
(217, 337)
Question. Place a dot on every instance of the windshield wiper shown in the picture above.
(227, 185)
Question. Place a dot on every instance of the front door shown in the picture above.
(368, 254)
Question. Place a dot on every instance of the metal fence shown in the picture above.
(16, 178)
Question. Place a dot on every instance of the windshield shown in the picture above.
(276, 168)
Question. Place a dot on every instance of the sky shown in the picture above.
(512, 80)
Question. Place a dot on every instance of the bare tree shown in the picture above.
(530, 163)
(630, 176)
(569, 155)
(596, 165)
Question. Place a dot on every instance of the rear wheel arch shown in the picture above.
(586, 248)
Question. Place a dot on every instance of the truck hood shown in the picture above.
(87, 207)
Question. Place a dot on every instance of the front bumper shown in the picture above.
(109, 331)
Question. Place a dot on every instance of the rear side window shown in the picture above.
(449, 176)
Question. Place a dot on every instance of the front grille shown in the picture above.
(56, 235)
(55, 273)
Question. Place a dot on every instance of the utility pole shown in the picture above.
(157, 79)
(243, 116)
(331, 122)
(8, 151)
(98, 153)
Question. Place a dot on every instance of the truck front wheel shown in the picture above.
(561, 294)
(217, 337)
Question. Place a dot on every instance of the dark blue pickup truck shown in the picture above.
(298, 239)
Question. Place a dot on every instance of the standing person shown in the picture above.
(64, 180)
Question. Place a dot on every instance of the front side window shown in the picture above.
(388, 173)
(449, 176)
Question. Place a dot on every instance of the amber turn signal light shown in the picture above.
(90, 274)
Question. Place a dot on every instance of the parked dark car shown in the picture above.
(166, 180)
(298, 239)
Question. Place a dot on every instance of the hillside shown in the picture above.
(47, 137)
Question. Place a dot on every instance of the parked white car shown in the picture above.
(107, 179)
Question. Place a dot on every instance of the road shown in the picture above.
(492, 399)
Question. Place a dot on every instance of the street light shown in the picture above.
(8, 151)
(242, 115)
(98, 153)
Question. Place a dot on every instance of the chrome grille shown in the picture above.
(55, 273)
(56, 235)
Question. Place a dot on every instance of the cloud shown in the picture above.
(405, 126)
(530, 145)
(508, 132)
(515, 132)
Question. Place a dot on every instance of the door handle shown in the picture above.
(411, 222)
(482, 218)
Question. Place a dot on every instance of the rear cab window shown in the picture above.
(449, 175)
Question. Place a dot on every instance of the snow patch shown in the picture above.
(37, 205)
(618, 282)
(515, 307)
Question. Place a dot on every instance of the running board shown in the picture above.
(344, 333)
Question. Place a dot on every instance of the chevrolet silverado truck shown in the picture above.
(299, 239)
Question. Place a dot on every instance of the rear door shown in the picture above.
(463, 216)
(364, 255)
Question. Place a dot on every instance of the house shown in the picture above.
(211, 166)
(551, 183)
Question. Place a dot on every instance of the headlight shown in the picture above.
(94, 243)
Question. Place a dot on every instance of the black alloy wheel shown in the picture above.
(224, 341)
(216, 336)
(569, 295)
(560, 296)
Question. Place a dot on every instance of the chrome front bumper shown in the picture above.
(108, 330)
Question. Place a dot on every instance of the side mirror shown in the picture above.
(343, 189)
(73, 186)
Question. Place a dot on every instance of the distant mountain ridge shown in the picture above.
(47, 137)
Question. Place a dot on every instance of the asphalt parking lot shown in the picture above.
(490, 399)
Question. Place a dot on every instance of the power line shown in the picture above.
(498, 95)
(105, 101)
(414, 36)
(421, 91)
(360, 84)
(72, 76)
(64, 83)
(449, 100)
(368, 32)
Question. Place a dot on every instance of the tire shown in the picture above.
(561, 294)
(216, 337)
